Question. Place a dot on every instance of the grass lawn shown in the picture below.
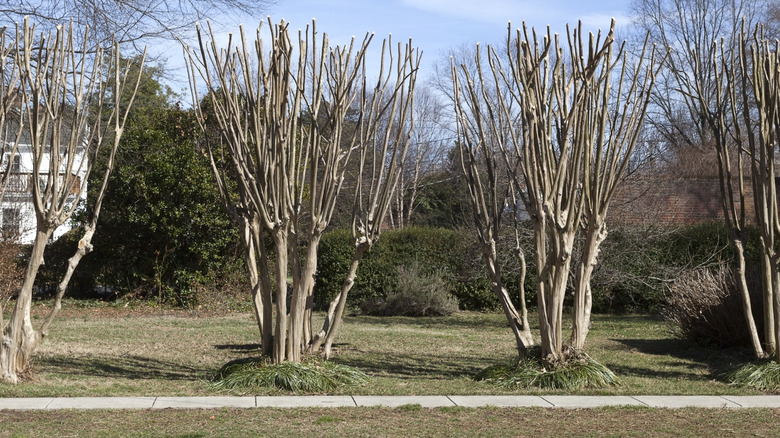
(111, 351)
(107, 351)
(400, 422)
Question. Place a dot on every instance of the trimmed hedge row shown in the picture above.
(634, 270)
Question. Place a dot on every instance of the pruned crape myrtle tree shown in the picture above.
(745, 123)
(293, 118)
(700, 104)
(67, 116)
(560, 120)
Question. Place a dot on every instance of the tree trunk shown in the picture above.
(747, 307)
(553, 268)
(768, 300)
(518, 324)
(333, 322)
(266, 289)
(583, 298)
(280, 328)
(19, 337)
(250, 260)
(298, 341)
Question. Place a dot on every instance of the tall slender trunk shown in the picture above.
(747, 306)
(768, 300)
(518, 324)
(583, 298)
(250, 260)
(298, 341)
(19, 337)
(333, 322)
(280, 327)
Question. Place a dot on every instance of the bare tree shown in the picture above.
(427, 151)
(479, 135)
(686, 29)
(385, 134)
(565, 139)
(66, 114)
(129, 21)
(283, 121)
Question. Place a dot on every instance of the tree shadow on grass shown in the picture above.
(239, 348)
(684, 359)
(474, 321)
(417, 365)
(126, 367)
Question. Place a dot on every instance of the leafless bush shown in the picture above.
(415, 294)
(701, 307)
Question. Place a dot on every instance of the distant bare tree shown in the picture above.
(686, 29)
(427, 151)
(129, 21)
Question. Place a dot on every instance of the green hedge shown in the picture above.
(452, 253)
(635, 265)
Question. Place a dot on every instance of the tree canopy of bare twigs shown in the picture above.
(551, 122)
(291, 120)
(685, 30)
(133, 22)
(65, 110)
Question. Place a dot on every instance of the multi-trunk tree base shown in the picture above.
(577, 370)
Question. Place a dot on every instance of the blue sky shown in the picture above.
(435, 26)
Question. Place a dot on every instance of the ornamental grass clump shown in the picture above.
(579, 371)
(764, 376)
(309, 376)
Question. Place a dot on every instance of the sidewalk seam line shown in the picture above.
(353, 400)
(547, 401)
(731, 401)
(640, 401)
(451, 400)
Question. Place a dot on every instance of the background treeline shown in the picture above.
(637, 267)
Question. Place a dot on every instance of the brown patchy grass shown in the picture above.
(386, 422)
(108, 350)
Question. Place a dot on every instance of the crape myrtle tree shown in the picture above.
(384, 136)
(746, 124)
(291, 118)
(706, 83)
(563, 118)
(68, 115)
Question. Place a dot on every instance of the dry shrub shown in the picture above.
(415, 294)
(704, 306)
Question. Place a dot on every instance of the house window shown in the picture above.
(11, 225)
(16, 163)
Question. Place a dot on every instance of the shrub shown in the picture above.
(446, 252)
(636, 264)
(704, 306)
(415, 294)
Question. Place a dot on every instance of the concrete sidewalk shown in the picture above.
(547, 401)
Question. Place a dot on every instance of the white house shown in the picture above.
(17, 220)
